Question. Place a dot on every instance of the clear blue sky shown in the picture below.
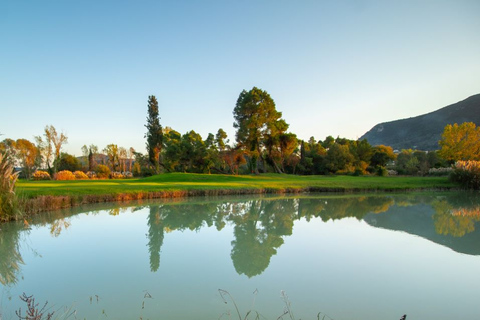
(333, 67)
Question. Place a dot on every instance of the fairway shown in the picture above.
(265, 183)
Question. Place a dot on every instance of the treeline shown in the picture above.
(262, 144)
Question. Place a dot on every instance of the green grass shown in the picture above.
(198, 182)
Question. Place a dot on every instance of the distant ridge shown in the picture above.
(424, 132)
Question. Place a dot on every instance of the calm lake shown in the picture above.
(349, 257)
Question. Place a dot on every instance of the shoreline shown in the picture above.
(46, 203)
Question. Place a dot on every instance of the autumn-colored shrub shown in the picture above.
(467, 173)
(103, 172)
(80, 175)
(41, 175)
(65, 175)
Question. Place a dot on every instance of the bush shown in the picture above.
(467, 173)
(80, 175)
(440, 171)
(103, 172)
(41, 175)
(381, 171)
(65, 175)
(117, 175)
(91, 175)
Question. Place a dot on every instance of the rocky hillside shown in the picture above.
(424, 132)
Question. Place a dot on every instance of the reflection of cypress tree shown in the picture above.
(155, 237)
(10, 258)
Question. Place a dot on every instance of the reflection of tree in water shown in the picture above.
(181, 217)
(258, 233)
(155, 237)
(455, 222)
(10, 258)
(343, 207)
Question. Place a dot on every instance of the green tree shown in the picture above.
(68, 162)
(339, 158)
(112, 153)
(154, 134)
(256, 120)
(460, 142)
(381, 156)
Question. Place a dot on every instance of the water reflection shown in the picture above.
(261, 225)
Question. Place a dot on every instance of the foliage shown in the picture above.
(54, 141)
(64, 175)
(8, 199)
(154, 134)
(41, 175)
(80, 175)
(68, 162)
(382, 155)
(258, 125)
(460, 142)
(26, 154)
(90, 152)
(467, 173)
(112, 153)
(103, 172)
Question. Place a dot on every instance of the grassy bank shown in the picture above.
(48, 195)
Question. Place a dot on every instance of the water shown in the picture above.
(345, 256)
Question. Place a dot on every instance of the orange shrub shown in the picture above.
(65, 175)
(80, 175)
(41, 175)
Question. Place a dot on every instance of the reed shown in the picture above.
(9, 208)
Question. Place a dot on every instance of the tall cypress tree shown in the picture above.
(154, 134)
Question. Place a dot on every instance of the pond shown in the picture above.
(345, 257)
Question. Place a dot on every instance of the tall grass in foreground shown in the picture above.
(9, 208)
(35, 312)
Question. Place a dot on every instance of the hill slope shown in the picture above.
(424, 132)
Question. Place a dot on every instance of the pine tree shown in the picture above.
(154, 134)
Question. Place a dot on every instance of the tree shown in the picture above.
(460, 142)
(56, 140)
(255, 119)
(112, 153)
(122, 157)
(339, 158)
(26, 153)
(68, 162)
(90, 152)
(382, 155)
(220, 139)
(154, 134)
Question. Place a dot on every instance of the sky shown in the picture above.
(332, 67)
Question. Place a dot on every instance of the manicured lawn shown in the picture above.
(189, 182)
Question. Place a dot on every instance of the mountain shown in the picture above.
(424, 132)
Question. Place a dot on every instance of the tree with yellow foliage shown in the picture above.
(460, 142)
